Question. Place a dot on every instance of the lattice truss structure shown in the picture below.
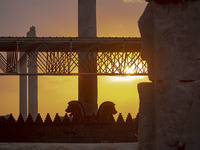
(66, 58)
(121, 63)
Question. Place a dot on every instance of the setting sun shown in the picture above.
(114, 17)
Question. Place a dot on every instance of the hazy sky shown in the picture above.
(60, 18)
(115, 18)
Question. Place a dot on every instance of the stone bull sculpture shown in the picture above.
(104, 113)
(75, 108)
(4, 118)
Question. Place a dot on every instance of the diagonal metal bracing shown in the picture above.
(10, 65)
(3, 63)
(122, 63)
(62, 56)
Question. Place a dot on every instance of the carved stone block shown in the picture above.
(146, 129)
(170, 40)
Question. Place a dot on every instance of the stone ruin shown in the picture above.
(170, 103)
(68, 130)
(32, 32)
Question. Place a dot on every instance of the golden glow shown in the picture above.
(122, 90)
(114, 19)
(126, 78)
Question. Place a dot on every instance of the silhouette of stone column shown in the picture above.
(23, 88)
(32, 81)
(87, 62)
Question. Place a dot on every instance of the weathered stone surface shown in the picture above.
(87, 84)
(69, 146)
(191, 132)
(171, 1)
(23, 87)
(32, 32)
(174, 101)
(146, 26)
(87, 18)
(169, 115)
(170, 35)
(170, 44)
(146, 129)
(32, 81)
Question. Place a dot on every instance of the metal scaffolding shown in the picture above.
(60, 56)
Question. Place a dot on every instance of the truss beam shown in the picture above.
(61, 56)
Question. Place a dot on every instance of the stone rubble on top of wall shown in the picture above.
(32, 32)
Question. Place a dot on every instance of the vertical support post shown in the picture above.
(87, 83)
(32, 81)
(17, 57)
(70, 57)
(23, 87)
(10, 67)
(32, 88)
(123, 63)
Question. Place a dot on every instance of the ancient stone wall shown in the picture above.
(146, 129)
(66, 130)
(170, 44)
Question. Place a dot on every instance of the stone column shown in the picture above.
(170, 44)
(146, 125)
(87, 62)
(23, 87)
(32, 81)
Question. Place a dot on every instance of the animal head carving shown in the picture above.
(106, 109)
(75, 108)
(4, 118)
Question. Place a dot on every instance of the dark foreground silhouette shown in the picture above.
(63, 130)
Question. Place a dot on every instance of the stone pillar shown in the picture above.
(87, 62)
(146, 131)
(23, 87)
(32, 81)
(170, 44)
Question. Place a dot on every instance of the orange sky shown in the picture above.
(59, 18)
